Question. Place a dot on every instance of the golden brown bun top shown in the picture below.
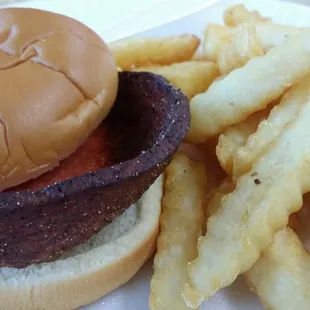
(58, 81)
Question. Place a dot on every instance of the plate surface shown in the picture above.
(134, 295)
(115, 19)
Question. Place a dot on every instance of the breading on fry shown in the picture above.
(260, 206)
(192, 77)
(249, 89)
(180, 225)
(138, 52)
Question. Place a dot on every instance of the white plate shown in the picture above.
(134, 295)
(116, 19)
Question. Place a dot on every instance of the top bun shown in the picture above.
(58, 81)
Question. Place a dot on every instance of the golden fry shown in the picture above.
(270, 35)
(235, 137)
(281, 277)
(258, 207)
(191, 295)
(267, 35)
(238, 14)
(138, 52)
(270, 129)
(180, 226)
(249, 89)
(199, 56)
(213, 37)
(281, 271)
(205, 154)
(242, 47)
(192, 77)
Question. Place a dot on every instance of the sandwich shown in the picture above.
(83, 150)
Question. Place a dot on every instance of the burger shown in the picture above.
(83, 150)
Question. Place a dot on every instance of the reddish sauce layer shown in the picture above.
(94, 154)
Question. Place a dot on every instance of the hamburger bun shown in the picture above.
(58, 82)
(89, 271)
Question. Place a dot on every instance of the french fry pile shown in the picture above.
(236, 191)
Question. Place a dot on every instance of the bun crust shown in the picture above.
(89, 271)
(58, 82)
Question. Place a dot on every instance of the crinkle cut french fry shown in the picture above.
(235, 137)
(206, 154)
(258, 207)
(215, 199)
(213, 37)
(281, 277)
(243, 46)
(267, 34)
(274, 279)
(137, 52)
(227, 186)
(269, 129)
(180, 225)
(238, 14)
(192, 77)
(270, 35)
(199, 56)
(249, 89)
(233, 48)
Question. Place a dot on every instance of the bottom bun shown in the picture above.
(91, 270)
